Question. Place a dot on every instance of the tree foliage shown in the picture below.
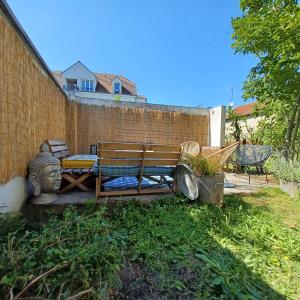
(270, 30)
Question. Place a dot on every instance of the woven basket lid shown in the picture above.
(187, 181)
(190, 147)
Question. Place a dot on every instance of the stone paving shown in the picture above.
(237, 184)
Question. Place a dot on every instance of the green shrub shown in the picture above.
(81, 249)
(202, 165)
(284, 169)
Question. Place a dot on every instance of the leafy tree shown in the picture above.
(270, 30)
(235, 124)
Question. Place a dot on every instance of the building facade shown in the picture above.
(248, 120)
(80, 83)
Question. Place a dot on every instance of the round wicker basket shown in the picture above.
(190, 148)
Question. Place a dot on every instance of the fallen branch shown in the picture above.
(54, 269)
(81, 293)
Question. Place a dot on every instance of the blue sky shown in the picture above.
(177, 52)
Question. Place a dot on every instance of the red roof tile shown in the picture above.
(245, 110)
(105, 82)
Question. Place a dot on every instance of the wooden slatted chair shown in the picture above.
(75, 176)
(137, 160)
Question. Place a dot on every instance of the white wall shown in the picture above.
(250, 122)
(217, 126)
(80, 72)
(12, 195)
(104, 96)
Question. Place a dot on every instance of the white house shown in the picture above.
(81, 83)
(248, 120)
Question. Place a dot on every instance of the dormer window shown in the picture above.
(117, 88)
(87, 85)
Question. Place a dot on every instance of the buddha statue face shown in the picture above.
(50, 179)
(44, 174)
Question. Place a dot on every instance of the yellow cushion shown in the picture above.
(79, 161)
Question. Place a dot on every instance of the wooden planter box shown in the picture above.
(212, 189)
(292, 188)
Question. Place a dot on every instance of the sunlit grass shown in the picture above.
(168, 249)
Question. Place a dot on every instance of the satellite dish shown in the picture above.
(187, 181)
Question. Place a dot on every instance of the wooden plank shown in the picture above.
(163, 148)
(55, 142)
(135, 192)
(62, 154)
(121, 162)
(59, 148)
(121, 154)
(75, 181)
(120, 146)
(162, 155)
(161, 162)
(140, 177)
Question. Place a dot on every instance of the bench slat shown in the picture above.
(161, 162)
(59, 148)
(163, 148)
(55, 142)
(121, 154)
(121, 162)
(120, 146)
(162, 155)
(61, 154)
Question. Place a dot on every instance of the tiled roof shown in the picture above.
(128, 87)
(59, 78)
(104, 83)
(245, 110)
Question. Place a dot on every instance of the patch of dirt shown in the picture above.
(137, 283)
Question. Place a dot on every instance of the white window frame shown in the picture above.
(119, 90)
(87, 85)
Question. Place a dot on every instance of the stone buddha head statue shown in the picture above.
(45, 176)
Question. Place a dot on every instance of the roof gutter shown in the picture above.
(10, 15)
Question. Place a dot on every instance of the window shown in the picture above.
(87, 85)
(71, 84)
(117, 88)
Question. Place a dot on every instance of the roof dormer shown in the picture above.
(117, 86)
(79, 77)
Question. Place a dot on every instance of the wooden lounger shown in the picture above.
(137, 160)
(75, 176)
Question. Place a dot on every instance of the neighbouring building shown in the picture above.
(248, 120)
(81, 83)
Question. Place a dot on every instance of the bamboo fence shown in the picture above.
(33, 109)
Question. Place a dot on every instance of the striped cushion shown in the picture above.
(156, 171)
(133, 171)
(117, 170)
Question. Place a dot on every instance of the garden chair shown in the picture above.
(247, 156)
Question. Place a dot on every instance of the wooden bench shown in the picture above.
(136, 160)
(76, 177)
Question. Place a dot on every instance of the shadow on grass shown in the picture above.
(172, 248)
(172, 252)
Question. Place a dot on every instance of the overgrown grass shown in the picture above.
(169, 249)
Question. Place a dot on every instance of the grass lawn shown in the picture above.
(172, 248)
